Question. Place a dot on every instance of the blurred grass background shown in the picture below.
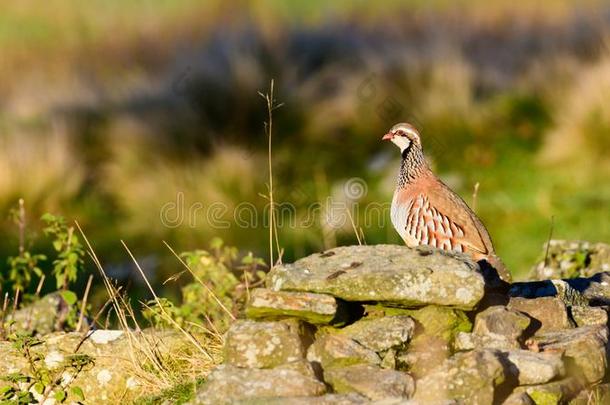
(110, 110)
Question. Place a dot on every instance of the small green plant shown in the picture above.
(25, 265)
(19, 387)
(70, 252)
(222, 283)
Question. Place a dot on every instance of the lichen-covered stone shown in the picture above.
(436, 328)
(469, 377)
(41, 317)
(594, 290)
(569, 259)
(310, 307)
(553, 393)
(336, 350)
(112, 377)
(385, 273)
(500, 320)
(265, 344)
(549, 313)
(227, 384)
(585, 346)
(381, 334)
(370, 381)
(495, 328)
(468, 341)
(589, 315)
(534, 368)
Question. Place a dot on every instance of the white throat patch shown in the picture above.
(402, 142)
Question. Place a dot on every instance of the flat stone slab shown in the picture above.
(227, 384)
(265, 344)
(370, 381)
(381, 334)
(586, 347)
(336, 350)
(310, 307)
(534, 368)
(549, 313)
(469, 377)
(397, 275)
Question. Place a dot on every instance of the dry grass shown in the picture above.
(40, 168)
(581, 134)
(156, 362)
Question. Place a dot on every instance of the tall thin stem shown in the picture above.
(269, 98)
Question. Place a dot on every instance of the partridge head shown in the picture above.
(425, 211)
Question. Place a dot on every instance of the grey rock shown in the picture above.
(585, 346)
(41, 317)
(336, 350)
(385, 273)
(370, 381)
(469, 377)
(568, 294)
(534, 368)
(495, 328)
(112, 378)
(550, 312)
(381, 334)
(501, 321)
(468, 341)
(589, 315)
(569, 259)
(310, 307)
(227, 384)
(594, 289)
(433, 338)
(265, 344)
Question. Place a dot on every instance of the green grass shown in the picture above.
(178, 394)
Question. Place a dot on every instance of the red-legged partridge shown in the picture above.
(427, 212)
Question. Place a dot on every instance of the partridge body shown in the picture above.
(427, 212)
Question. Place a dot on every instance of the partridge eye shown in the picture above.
(401, 132)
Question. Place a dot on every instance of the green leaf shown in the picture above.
(39, 387)
(216, 243)
(78, 392)
(60, 396)
(57, 245)
(69, 296)
(6, 391)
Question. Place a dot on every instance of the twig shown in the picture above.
(21, 224)
(349, 214)
(196, 277)
(84, 304)
(548, 242)
(269, 132)
(156, 298)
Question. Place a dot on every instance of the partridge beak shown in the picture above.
(388, 136)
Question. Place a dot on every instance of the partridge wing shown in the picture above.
(448, 209)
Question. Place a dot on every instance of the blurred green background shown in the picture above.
(119, 114)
